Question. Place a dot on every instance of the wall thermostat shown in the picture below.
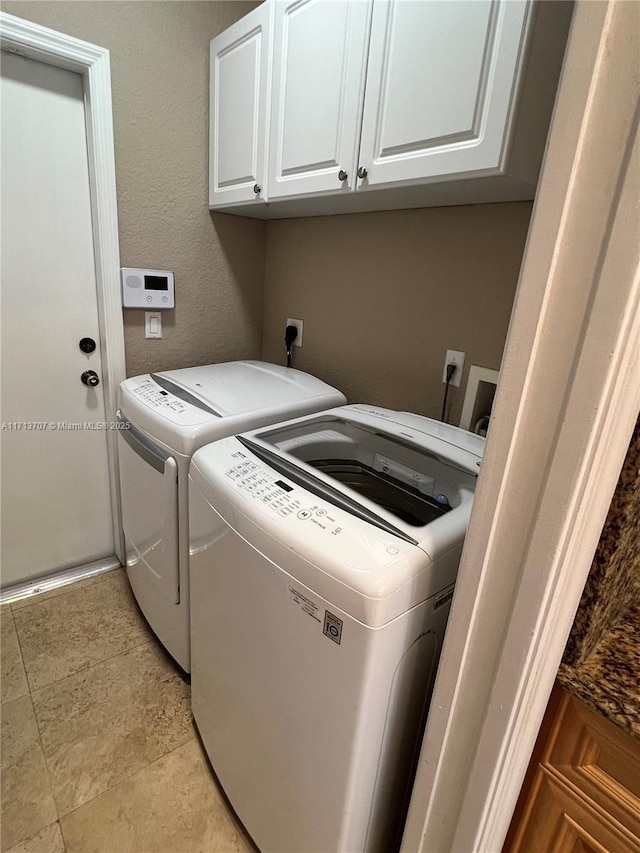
(150, 289)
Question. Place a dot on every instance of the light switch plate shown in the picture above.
(152, 324)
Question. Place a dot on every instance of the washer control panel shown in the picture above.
(150, 395)
(266, 486)
(156, 397)
(251, 495)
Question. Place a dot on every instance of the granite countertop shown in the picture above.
(609, 678)
(601, 663)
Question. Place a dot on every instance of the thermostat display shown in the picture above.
(150, 289)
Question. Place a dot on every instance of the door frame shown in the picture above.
(566, 405)
(33, 41)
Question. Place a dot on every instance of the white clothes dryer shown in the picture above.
(324, 553)
(164, 417)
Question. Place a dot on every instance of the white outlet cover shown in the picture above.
(299, 324)
(454, 357)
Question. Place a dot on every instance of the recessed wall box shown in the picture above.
(150, 289)
(478, 399)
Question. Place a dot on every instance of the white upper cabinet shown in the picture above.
(319, 66)
(440, 82)
(380, 104)
(239, 99)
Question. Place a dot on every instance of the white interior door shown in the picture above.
(56, 509)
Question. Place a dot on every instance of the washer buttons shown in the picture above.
(304, 514)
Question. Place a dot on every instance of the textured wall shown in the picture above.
(159, 72)
(384, 295)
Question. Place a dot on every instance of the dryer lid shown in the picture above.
(190, 407)
(236, 387)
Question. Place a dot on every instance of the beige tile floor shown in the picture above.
(98, 749)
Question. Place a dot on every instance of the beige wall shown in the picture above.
(384, 295)
(159, 72)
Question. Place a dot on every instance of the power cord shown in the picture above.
(451, 369)
(290, 334)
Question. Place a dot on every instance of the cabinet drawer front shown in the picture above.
(599, 759)
(439, 88)
(319, 64)
(238, 108)
(561, 822)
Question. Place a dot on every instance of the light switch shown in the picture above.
(152, 324)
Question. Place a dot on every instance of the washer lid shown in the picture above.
(334, 541)
(190, 407)
(367, 430)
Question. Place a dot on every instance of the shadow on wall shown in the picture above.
(242, 243)
(384, 295)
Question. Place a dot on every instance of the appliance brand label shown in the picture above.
(304, 603)
(332, 627)
(443, 598)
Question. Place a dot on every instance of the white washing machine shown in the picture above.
(166, 417)
(324, 553)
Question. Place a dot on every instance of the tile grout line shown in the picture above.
(44, 754)
(83, 669)
(64, 840)
(129, 777)
(24, 669)
(146, 641)
(26, 674)
(149, 641)
(35, 718)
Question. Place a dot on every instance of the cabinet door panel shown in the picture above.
(318, 83)
(238, 108)
(560, 821)
(439, 88)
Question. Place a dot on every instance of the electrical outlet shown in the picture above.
(299, 325)
(457, 358)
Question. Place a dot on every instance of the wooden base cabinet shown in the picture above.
(582, 791)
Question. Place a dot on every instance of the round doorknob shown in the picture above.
(362, 172)
(87, 345)
(342, 175)
(257, 188)
(90, 378)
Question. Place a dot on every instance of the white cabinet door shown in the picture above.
(439, 88)
(319, 64)
(239, 101)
